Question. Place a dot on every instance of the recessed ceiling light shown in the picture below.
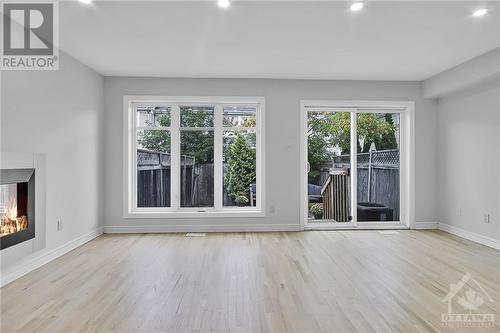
(223, 3)
(86, 1)
(480, 12)
(357, 6)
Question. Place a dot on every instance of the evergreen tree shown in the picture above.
(241, 168)
(388, 139)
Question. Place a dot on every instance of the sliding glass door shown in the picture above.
(353, 166)
(377, 167)
(329, 165)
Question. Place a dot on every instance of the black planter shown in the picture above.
(371, 211)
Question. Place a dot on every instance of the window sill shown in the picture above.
(237, 213)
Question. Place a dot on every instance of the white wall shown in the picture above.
(282, 139)
(469, 159)
(479, 70)
(58, 113)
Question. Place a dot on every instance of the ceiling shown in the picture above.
(277, 39)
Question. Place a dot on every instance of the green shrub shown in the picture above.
(317, 210)
(241, 200)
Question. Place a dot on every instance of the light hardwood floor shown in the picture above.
(318, 281)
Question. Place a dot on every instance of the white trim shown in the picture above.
(153, 128)
(228, 212)
(343, 226)
(425, 225)
(472, 236)
(358, 104)
(354, 175)
(175, 159)
(407, 148)
(261, 157)
(303, 167)
(200, 228)
(24, 267)
(129, 175)
(127, 140)
(194, 100)
(410, 163)
(218, 158)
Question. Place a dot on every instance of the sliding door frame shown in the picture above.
(406, 109)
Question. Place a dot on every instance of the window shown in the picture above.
(193, 156)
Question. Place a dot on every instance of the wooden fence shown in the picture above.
(383, 188)
(154, 181)
(378, 182)
(153, 188)
(203, 186)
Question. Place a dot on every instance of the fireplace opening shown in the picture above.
(13, 208)
(17, 196)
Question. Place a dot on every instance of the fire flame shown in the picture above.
(11, 212)
(10, 222)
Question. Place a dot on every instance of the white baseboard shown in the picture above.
(26, 266)
(200, 228)
(425, 225)
(472, 236)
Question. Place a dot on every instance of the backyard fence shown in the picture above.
(154, 181)
(203, 186)
(378, 180)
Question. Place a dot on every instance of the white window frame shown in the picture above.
(406, 109)
(175, 211)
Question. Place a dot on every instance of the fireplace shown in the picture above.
(17, 206)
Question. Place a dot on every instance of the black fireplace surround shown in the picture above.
(25, 180)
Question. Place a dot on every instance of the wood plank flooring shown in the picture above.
(317, 281)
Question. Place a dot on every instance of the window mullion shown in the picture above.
(258, 158)
(133, 158)
(175, 158)
(354, 167)
(218, 158)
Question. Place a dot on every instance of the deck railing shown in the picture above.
(336, 197)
